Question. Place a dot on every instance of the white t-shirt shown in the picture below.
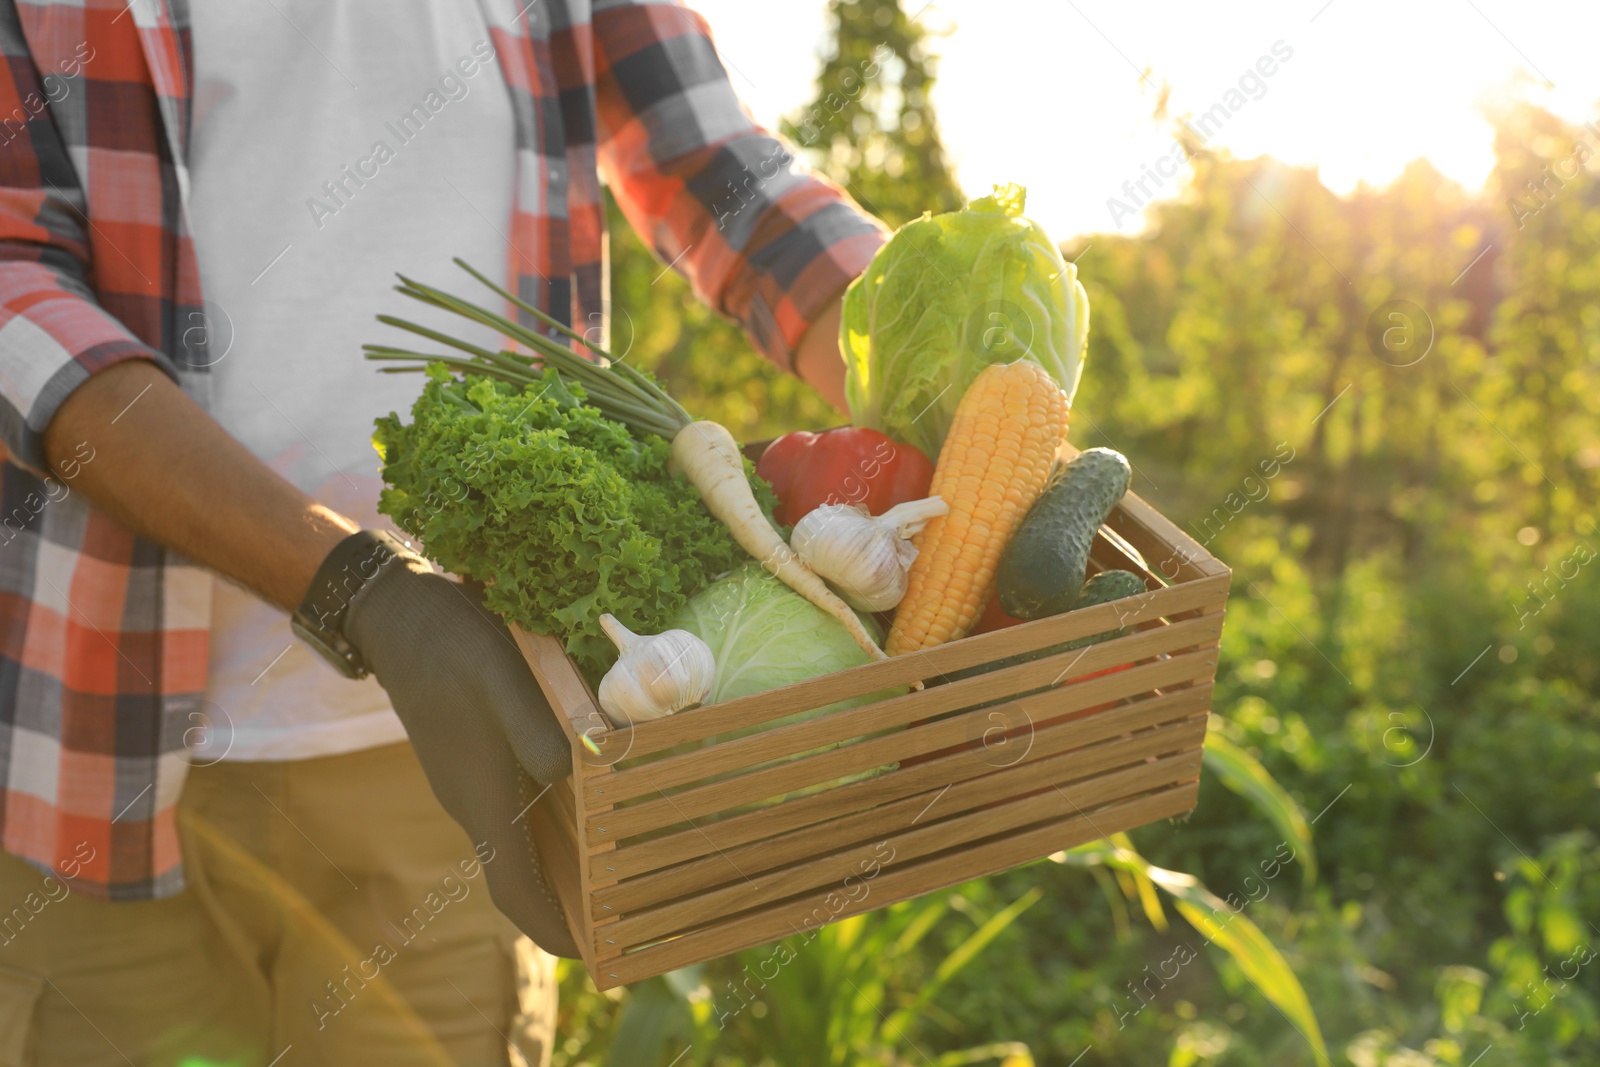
(334, 142)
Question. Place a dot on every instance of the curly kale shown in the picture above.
(562, 513)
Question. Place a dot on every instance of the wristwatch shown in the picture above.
(319, 621)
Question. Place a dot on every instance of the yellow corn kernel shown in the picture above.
(993, 466)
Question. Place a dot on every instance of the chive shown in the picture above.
(535, 312)
(434, 335)
(538, 342)
(423, 358)
(503, 359)
(622, 392)
(468, 365)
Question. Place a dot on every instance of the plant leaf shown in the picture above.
(1242, 773)
(1241, 939)
(653, 1015)
(975, 943)
(1005, 1053)
(1145, 888)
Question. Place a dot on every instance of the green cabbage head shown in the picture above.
(764, 635)
(945, 297)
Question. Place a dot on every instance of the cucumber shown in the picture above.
(1101, 589)
(1107, 586)
(1041, 571)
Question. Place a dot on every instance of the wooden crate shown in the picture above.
(660, 861)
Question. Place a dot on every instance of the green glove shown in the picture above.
(483, 731)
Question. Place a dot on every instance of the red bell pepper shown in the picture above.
(994, 617)
(849, 465)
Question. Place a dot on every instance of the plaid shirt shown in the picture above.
(104, 635)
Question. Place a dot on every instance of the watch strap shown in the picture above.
(353, 563)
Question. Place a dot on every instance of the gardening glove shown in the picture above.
(482, 729)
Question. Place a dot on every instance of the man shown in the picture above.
(221, 850)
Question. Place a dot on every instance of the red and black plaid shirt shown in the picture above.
(104, 635)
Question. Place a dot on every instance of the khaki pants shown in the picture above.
(334, 915)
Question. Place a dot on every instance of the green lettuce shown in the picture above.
(945, 297)
(560, 511)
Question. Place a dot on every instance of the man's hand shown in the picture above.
(486, 737)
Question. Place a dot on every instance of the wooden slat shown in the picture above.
(563, 687)
(552, 824)
(739, 836)
(736, 867)
(925, 839)
(841, 726)
(719, 796)
(892, 885)
(563, 804)
(698, 724)
(1109, 555)
(1170, 552)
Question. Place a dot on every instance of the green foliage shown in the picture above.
(1241, 772)
(849, 994)
(871, 127)
(1220, 923)
(850, 991)
(483, 462)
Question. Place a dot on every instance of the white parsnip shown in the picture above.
(709, 457)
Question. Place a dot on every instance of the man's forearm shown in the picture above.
(165, 469)
(818, 360)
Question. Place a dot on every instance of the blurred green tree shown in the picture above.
(871, 127)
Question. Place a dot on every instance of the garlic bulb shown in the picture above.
(865, 557)
(654, 676)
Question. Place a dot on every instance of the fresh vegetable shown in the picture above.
(848, 465)
(654, 676)
(1107, 586)
(703, 451)
(993, 466)
(865, 557)
(994, 617)
(763, 635)
(1103, 588)
(1042, 570)
(561, 512)
(948, 295)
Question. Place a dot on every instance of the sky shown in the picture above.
(1053, 94)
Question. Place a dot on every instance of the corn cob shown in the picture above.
(993, 466)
